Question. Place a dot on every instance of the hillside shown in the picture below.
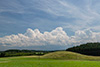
(87, 49)
(66, 55)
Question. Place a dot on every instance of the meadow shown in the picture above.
(51, 60)
(36, 62)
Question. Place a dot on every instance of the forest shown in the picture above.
(87, 49)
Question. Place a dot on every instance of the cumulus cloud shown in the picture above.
(35, 38)
(57, 37)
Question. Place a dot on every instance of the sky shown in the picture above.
(48, 24)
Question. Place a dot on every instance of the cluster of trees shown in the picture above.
(15, 52)
(87, 49)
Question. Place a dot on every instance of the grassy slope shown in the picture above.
(36, 62)
(69, 56)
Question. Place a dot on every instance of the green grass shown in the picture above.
(55, 59)
(36, 62)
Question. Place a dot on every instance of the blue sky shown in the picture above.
(16, 16)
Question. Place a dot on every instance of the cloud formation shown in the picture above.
(57, 37)
(35, 38)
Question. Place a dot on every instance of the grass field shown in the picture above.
(35, 61)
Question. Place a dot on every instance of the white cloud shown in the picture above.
(35, 38)
(56, 37)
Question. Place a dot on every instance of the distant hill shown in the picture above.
(67, 55)
(87, 49)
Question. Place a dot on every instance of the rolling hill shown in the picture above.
(66, 55)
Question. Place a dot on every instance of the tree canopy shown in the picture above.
(87, 49)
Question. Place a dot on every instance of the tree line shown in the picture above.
(16, 52)
(87, 49)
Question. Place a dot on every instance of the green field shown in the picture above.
(36, 61)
